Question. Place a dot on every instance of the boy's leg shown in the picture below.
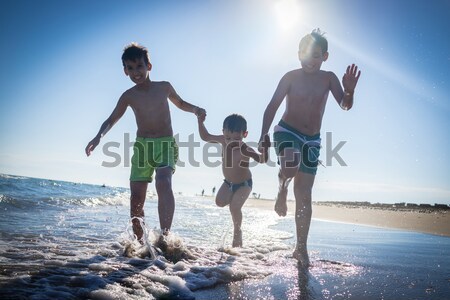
(303, 184)
(137, 200)
(289, 162)
(166, 200)
(237, 201)
(223, 197)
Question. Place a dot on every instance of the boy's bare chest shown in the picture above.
(149, 101)
(233, 157)
(307, 89)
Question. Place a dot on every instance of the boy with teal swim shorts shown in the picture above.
(297, 136)
(155, 149)
(286, 136)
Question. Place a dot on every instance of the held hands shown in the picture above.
(200, 112)
(264, 144)
(350, 78)
(91, 145)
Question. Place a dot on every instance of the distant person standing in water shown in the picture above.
(297, 135)
(155, 148)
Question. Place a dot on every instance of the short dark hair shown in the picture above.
(135, 52)
(317, 38)
(235, 123)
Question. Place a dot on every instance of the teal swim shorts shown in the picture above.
(308, 146)
(150, 154)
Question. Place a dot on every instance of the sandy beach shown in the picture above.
(432, 221)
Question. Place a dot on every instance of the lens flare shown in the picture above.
(288, 13)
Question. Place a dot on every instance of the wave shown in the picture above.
(21, 203)
(6, 176)
(27, 193)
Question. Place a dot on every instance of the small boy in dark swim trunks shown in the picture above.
(236, 154)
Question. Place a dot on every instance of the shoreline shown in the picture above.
(423, 219)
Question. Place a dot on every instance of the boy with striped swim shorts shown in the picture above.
(297, 136)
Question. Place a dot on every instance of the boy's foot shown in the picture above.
(172, 248)
(302, 258)
(280, 203)
(237, 239)
(128, 251)
(161, 243)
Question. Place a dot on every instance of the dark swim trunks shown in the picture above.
(235, 186)
(286, 136)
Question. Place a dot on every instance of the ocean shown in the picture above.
(64, 240)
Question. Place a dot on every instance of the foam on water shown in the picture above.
(81, 251)
(73, 250)
(103, 272)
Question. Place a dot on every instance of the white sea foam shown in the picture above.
(153, 278)
(71, 251)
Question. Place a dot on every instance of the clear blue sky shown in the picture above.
(62, 76)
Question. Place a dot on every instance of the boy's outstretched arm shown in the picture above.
(272, 107)
(117, 113)
(183, 105)
(261, 158)
(349, 81)
(205, 135)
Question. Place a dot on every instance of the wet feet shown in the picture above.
(134, 249)
(280, 204)
(302, 257)
(128, 250)
(237, 239)
(172, 248)
(161, 243)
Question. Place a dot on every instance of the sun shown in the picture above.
(287, 13)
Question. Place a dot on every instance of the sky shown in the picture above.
(62, 76)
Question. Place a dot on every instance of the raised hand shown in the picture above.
(350, 78)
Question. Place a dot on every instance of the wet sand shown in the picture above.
(288, 281)
(379, 264)
(432, 221)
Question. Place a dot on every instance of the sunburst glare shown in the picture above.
(288, 13)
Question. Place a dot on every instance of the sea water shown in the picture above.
(63, 240)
